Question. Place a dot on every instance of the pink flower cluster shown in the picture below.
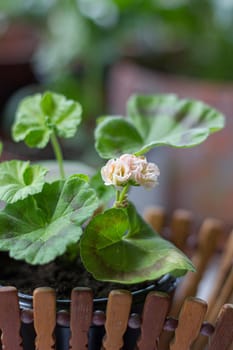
(131, 169)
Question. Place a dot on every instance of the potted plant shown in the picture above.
(46, 221)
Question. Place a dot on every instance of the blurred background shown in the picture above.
(99, 52)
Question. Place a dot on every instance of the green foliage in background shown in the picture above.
(97, 32)
(81, 39)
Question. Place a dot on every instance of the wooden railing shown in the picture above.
(211, 250)
(146, 328)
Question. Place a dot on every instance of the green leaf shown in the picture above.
(1, 147)
(40, 227)
(30, 124)
(115, 136)
(169, 121)
(120, 246)
(47, 104)
(156, 120)
(39, 116)
(19, 179)
(104, 193)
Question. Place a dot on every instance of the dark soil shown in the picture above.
(60, 275)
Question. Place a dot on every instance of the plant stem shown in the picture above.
(124, 193)
(118, 193)
(58, 154)
(121, 197)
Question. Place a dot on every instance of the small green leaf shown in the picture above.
(40, 227)
(19, 179)
(47, 104)
(1, 147)
(30, 125)
(120, 246)
(39, 116)
(169, 121)
(115, 136)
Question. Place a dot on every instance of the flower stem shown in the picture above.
(58, 154)
(121, 197)
(118, 193)
(123, 193)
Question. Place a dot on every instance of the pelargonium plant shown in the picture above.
(42, 219)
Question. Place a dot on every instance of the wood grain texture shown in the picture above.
(222, 338)
(44, 306)
(154, 314)
(190, 320)
(80, 317)
(10, 319)
(117, 315)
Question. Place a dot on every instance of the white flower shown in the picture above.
(130, 168)
(116, 172)
(148, 175)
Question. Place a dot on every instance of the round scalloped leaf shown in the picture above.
(169, 121)
(115, 136)
(39, 116)
(120, 246)
(40, 227)
(156, 120)
(19, 179)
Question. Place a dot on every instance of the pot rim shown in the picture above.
(166, 283)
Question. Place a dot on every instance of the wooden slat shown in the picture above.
(155, 216)
(44, 306)
(223, 297)
(209, 234)
(230, 301)
(208, 238)
(190, 320)
(223, 274)
(222, 289)
(117, 315)
(10, 319)
(181, 227)
(80, 317)
(222, 338)
(154, 313)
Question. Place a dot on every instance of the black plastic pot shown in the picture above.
(166, 284)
